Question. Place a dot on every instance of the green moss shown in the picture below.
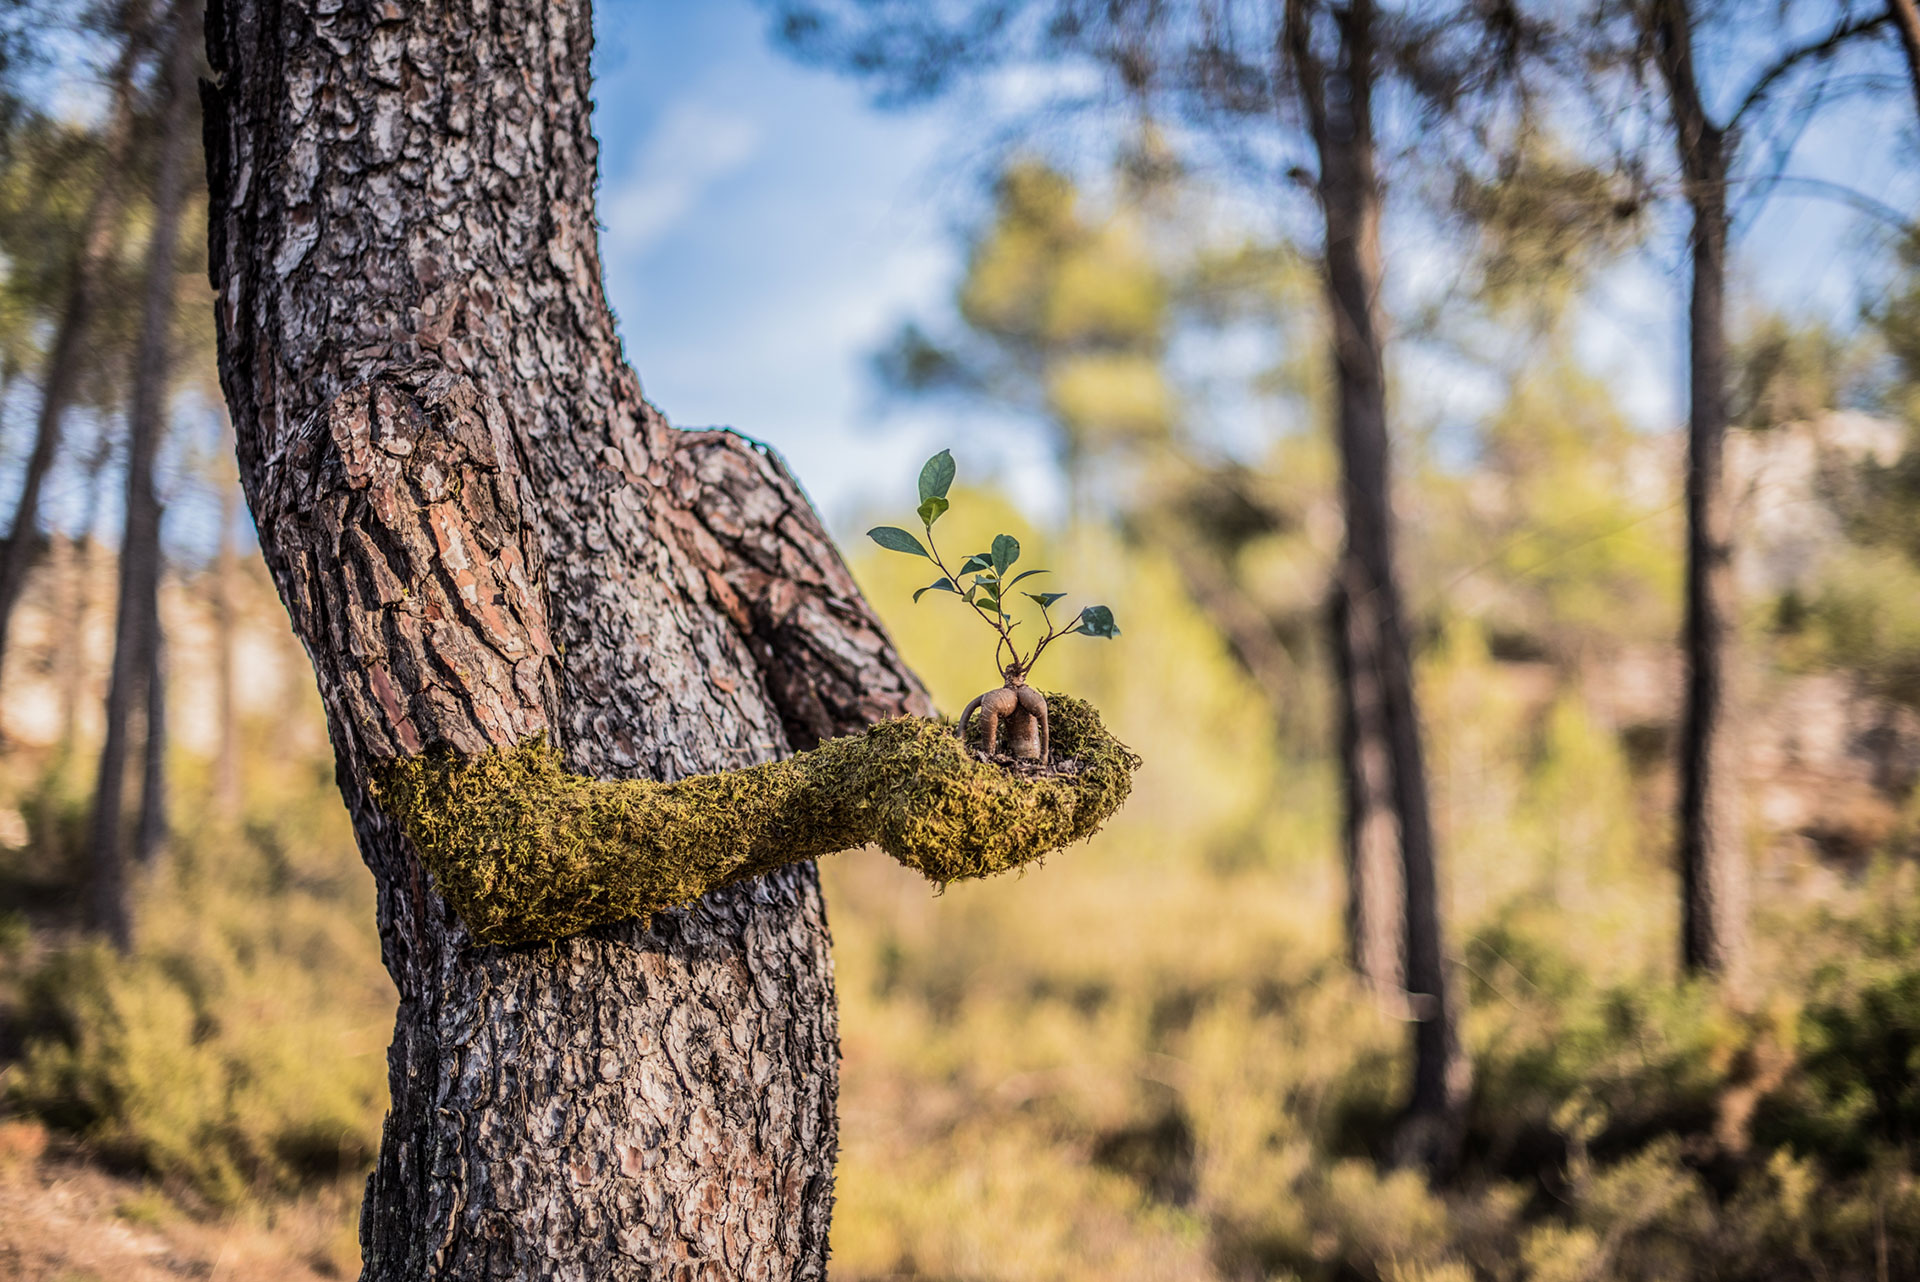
(526, 851)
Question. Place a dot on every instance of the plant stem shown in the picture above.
(998, 624)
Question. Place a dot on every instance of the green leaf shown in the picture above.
(1006, 550)
(895, 539)
(944, 585)
(1025, 574)
(932, 510)
(1044, 598)
(978, 561)
(1097, 621)
(936, 476)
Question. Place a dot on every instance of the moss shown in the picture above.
(526, 851)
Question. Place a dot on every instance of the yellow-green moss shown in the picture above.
(525, 851)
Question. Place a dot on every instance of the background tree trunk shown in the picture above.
(1381, 746)
(150, 830)
(134, 687)
(1713, 873)
(482, 532)
(67, 354)
(226, 624)
(1906, 20)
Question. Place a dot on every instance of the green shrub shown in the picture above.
(237, 1051)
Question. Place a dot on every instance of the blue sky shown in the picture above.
(765, 229)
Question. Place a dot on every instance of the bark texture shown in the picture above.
(1712, 848)
(67, 353)
(1382, 753)
(136, 687)
(482, 531)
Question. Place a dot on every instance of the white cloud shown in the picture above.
(692, 148)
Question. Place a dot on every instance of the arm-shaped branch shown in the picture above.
(525, 851)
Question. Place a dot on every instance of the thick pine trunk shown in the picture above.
(1712, 849)
(134, 689)
(68, 352)
(482, 532)
(1381, 747)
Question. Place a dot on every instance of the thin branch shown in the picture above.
(1297, 47)
(1825, 47)
(1871, 206)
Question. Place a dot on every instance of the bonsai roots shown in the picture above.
(525, 851)
(1023, 711)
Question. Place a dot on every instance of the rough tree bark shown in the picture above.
(483, 532)
(67, 354)
(134, 687)
(1381, 745)
(1713, 865)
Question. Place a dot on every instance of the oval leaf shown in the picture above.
(932, 510)
(936, 476)
(1006, 550)
(1097, 621)
(895, 539)
(1044, 598)
(1025, 574)
(978, 561)
(944, 585)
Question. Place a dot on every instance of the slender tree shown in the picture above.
(1314, 69)
(68, 352)
(1712, 847)
(135, 686)
(1380, 735)
(482, 532)
(226, 627)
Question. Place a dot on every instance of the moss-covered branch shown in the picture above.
(525, 851)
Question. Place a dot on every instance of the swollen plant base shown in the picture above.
(526, 852)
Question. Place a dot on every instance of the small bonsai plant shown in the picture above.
(1016, 707)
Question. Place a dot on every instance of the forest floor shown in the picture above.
(65, 1219)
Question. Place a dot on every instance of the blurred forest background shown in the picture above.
(1185, 1050)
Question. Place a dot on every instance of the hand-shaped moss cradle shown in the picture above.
(1016, 706)
(526, 851)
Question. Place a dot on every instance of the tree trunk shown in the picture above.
(1712, 846)
(133, 688)
(1713, 873)
(226, 569)
(150, 831)
(482, 532)
(1906, 20)
(68, 352)
(1376, 886)
(1382, 754)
